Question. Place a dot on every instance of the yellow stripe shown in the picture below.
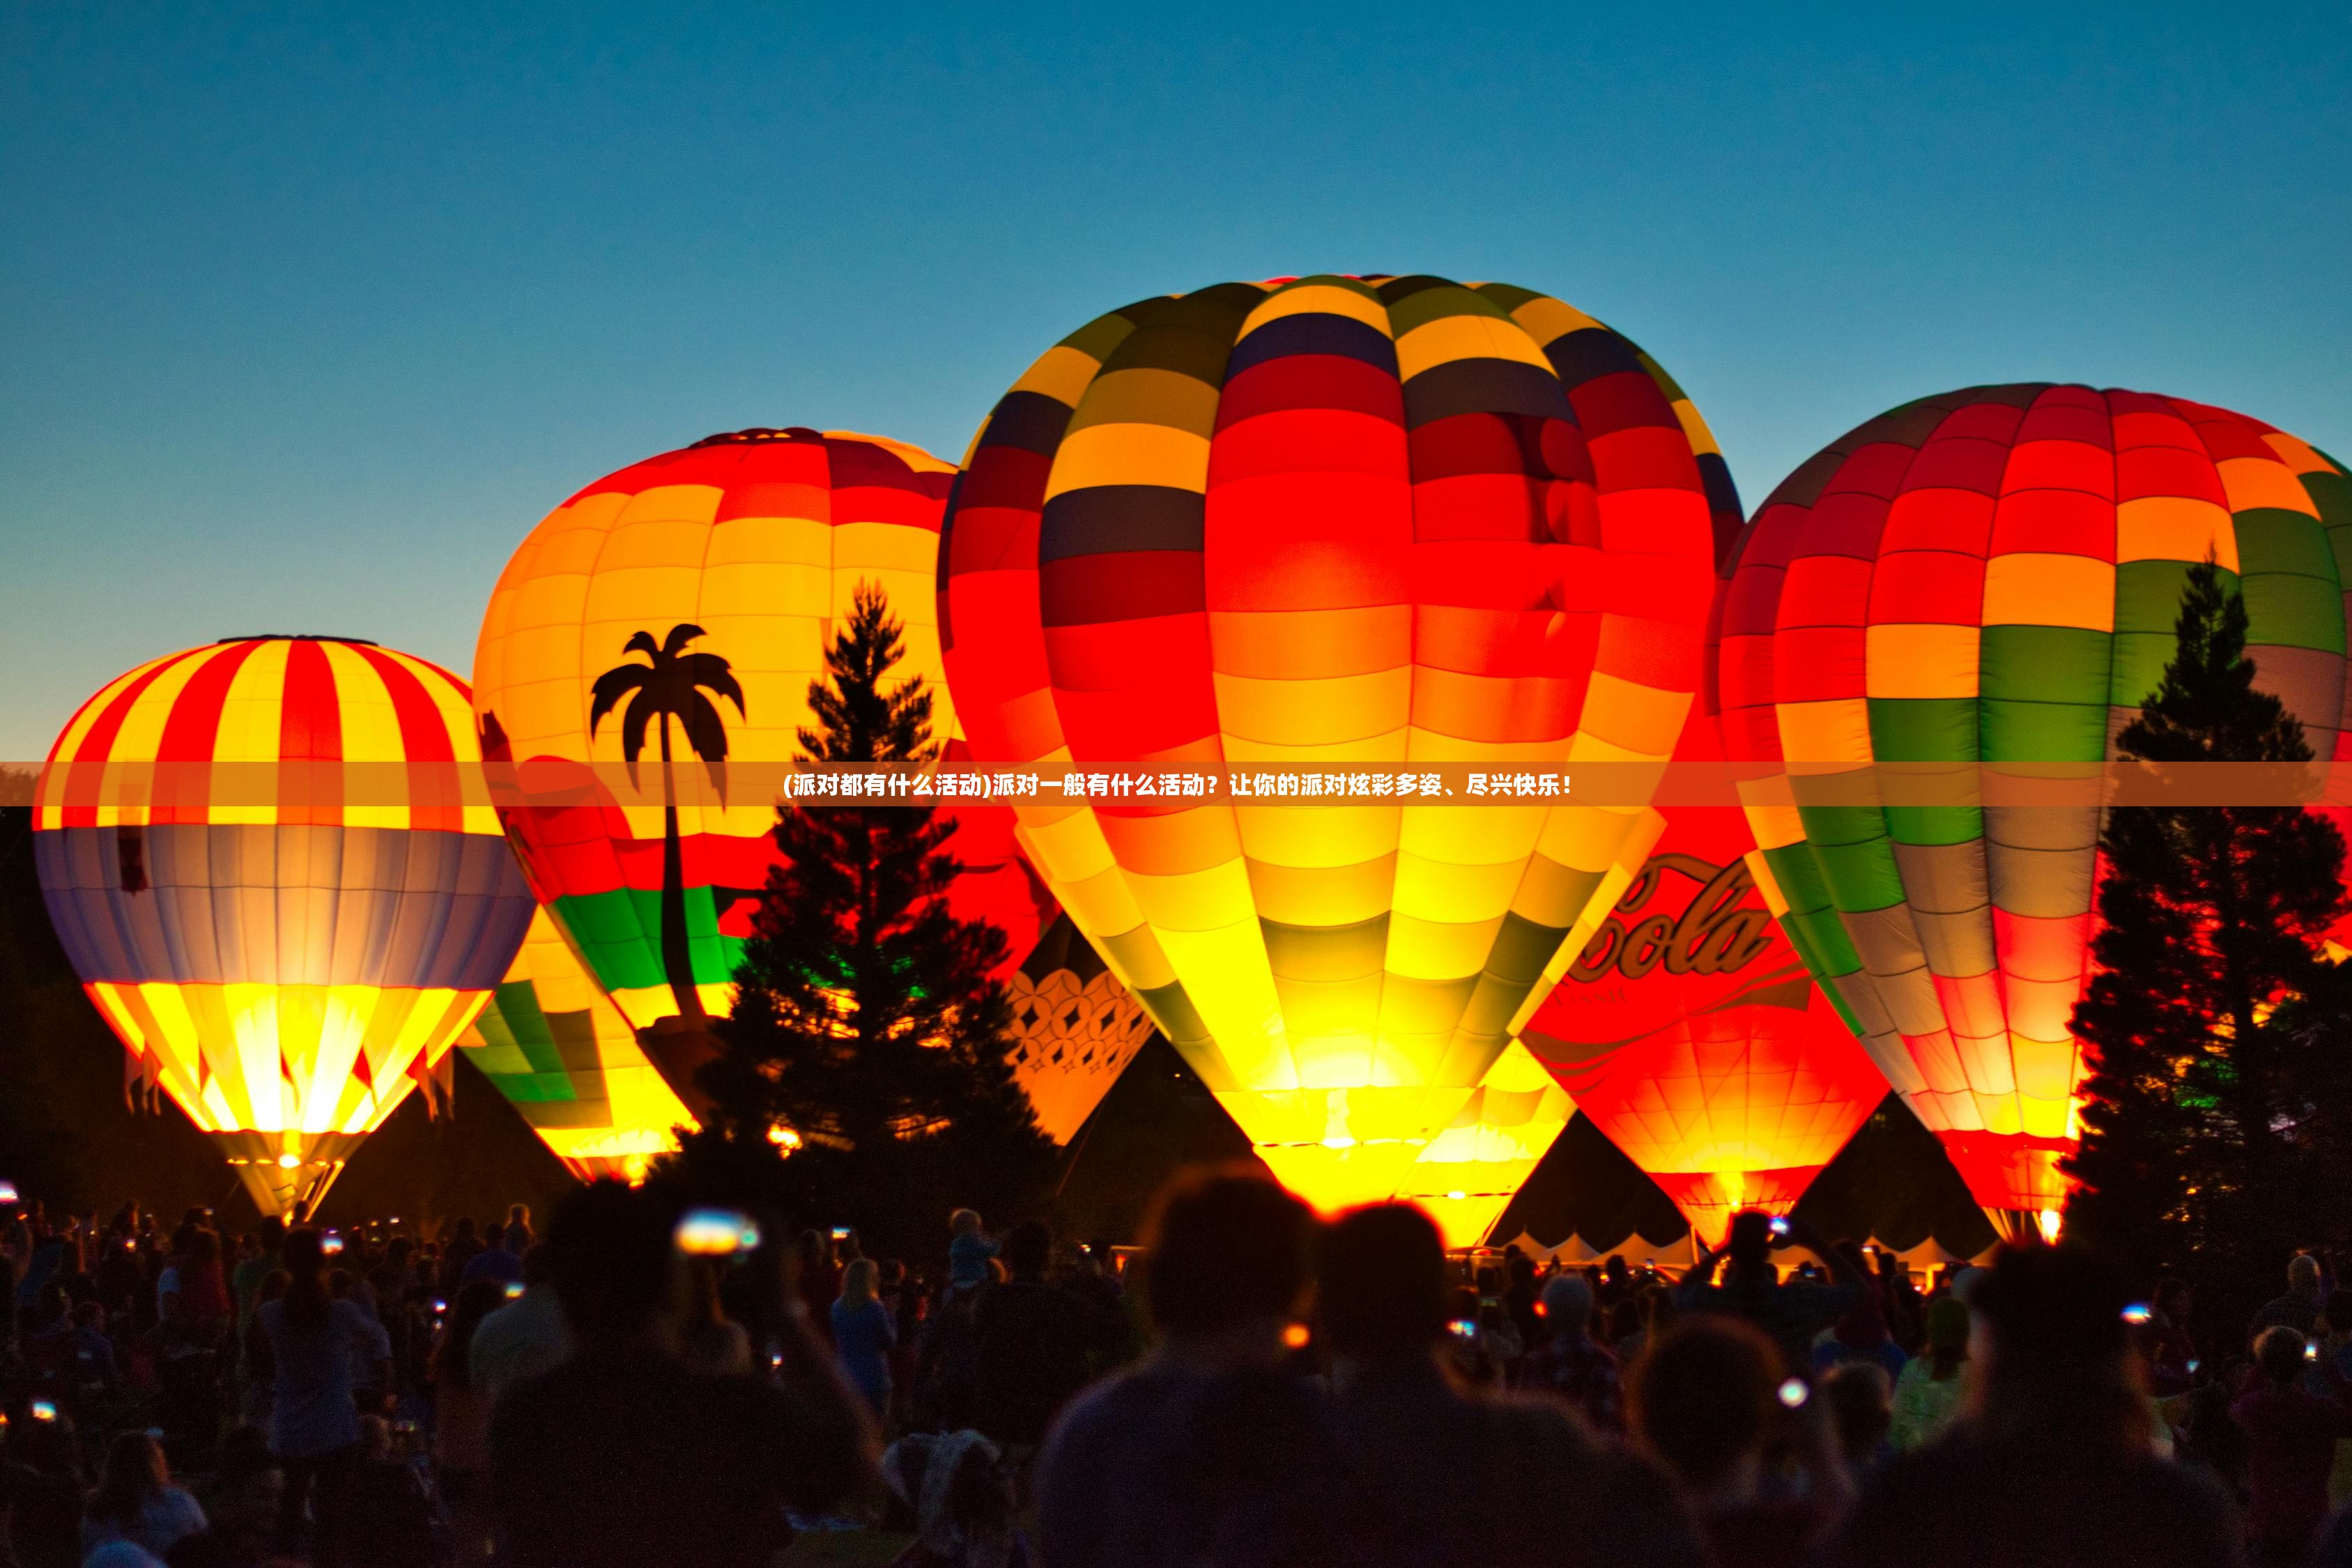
(1061, 374)
(2026, 588)
(370, 734)
(1547, 320)
(454, 702)
(251, 718)
(1150, 397)
(1915, 659)
(50, 814)
(1308, 297)
(2252, 482)
(140, 737)
(1451, 337)
(1131, 455)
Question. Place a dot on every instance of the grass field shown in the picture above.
(846, 1546)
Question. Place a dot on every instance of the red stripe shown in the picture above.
(435, 803)
(184, 758)
(310, 741)
(88, 765)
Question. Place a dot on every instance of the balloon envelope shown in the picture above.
(1470, 1172)
(757, 544)
(259, 859)
(554, 1045)
(1343, 522)
(1690, 1034)
(1992, 575)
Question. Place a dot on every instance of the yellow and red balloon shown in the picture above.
(1346, 522)
(260, 859)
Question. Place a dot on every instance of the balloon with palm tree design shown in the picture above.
(670, 686)
(691, 597)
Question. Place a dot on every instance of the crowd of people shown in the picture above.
(1251, 1386)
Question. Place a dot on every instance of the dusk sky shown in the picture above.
(312, 311)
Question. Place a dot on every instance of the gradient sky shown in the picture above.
(312, 311)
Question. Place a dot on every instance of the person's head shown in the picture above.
(466, 1229)
(305, 1262)
(893, 1275)
(375, 1439)
(1947, 1337)
(338, 1284)
(609, 1259)
(1568, 1305)
(1701, 1401)
(1749, 1245)
(274, 1284)
(1860, 1406)
(1228, 1252)
(964, 1222)
(517, 1219)
(2303, 1276)
(2171, 1298)
(816, 1251)
(2055, 1359)
(2278, 1352)
(135, 1476)
(1028, 1247)
(1614, 1268)
(452, 1356)
(45, 1444)
(273, 1235)
(860, 1282)
(535, 1264)
(494, 1237)
(1380, 1288)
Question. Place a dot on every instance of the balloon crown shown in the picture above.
(298, 637)
(759, 434)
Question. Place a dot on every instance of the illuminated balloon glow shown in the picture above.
(562, 1055)
(755, 544)
(1470, 1172)
(1342, 523)
(1690, 1034)
(1076, 1028)
(258, 859)
(1992, 575)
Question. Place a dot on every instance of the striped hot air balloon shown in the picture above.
(1992, 575)
(1342, 521)
(554, 1045)
(707, 581)
(259, 859)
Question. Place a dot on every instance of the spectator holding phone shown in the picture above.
(622, 1455)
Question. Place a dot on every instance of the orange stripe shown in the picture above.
(435, 803)
(89, 764)
(183, 756)
(309, 742)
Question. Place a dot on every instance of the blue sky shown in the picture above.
(314, 310)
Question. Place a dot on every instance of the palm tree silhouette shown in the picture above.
(671, 686)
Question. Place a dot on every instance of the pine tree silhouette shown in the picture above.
(2201, 1106)
(866, 1021)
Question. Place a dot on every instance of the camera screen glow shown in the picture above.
(716, 1232)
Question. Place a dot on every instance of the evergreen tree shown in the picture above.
(866, 1022)
(2205, 1118)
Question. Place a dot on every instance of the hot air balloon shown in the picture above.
(554, 1045)
(259, 859)
(678, 610)
(1076, 1028)
(1469, 1172)
(1690, 1034)
(1991, 575)
(1338, 521)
